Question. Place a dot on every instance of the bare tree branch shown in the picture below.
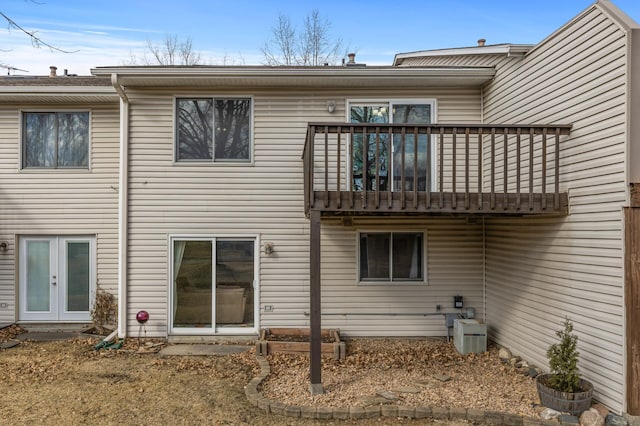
(169, 52)
(313, 46)
(36, 41)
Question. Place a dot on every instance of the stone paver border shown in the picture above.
(390, 410)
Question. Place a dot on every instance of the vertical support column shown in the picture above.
(632, 307)
(315, 347)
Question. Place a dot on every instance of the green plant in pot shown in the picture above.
(563, 389)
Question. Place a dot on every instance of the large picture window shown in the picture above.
(391, 256)
(213, 129)
(55, 139)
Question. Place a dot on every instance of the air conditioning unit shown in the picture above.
(469, 336)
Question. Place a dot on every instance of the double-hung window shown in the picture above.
(213, 129)
(55, 140)
(391, 256)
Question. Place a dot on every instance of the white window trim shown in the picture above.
(21, 159)
(235, 331)
(423, 281)
(390, 102)
(218, 163)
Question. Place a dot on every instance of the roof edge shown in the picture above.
(275, 72)
(496, 49)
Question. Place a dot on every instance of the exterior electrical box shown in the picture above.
(469, 336)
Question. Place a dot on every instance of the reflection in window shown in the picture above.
(387, 256)
(213, 129)
(56, 139)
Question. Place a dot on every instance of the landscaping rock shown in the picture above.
(615, 420)
(548, 414)
(388, 395)
(532, 372)
(591, 417)
(602, 410)
(504, 354)
(568, 420)
(9, 344)
(442, 377)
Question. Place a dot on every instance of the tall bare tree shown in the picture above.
(170, 51)
(311, 46)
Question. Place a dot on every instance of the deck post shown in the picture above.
(315, 347)
(632, 306)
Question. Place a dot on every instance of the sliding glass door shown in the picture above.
(405, 159)
(213, 285)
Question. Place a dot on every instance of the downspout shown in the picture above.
(122, 206)
(484, 271)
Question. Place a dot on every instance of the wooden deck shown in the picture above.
(369, 169)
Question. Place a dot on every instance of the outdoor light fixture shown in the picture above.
(3, 246)
(331, 106)
(268, 248)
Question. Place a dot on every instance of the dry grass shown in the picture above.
(69, 383)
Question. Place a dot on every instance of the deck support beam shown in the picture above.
(315, 347)
(632, 306)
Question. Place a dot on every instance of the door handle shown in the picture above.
(53, 283)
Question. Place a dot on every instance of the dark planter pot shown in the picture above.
(566, 402)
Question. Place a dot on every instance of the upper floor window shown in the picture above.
(55, 139)
(213, 129)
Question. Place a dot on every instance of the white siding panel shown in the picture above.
(541, 270)
(59, 202)
(265, 199)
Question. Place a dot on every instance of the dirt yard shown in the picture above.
(70, 383)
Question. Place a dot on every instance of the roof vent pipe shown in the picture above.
(352, 58)
(52, 71)
(481, 42)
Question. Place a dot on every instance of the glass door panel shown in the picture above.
(373, 144)
(78, 276)
(234, 283)
(411, 114)
(38, 276)
(193, 295)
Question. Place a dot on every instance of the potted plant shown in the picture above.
(563, 389)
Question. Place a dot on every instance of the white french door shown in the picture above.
(57, 278)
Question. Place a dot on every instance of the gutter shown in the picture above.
(123, 219)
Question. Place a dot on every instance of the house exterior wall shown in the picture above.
(59, 202)
(265, 200)
(541, 270)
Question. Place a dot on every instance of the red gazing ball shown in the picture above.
(142, 317)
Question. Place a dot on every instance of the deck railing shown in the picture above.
(446, 168)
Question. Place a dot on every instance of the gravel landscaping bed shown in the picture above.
(406, 372)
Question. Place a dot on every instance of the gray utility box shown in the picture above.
(469, 336)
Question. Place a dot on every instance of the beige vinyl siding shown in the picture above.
(262, 199)
(541, 270)
(59, 202)
(453, 60)
(453, 267)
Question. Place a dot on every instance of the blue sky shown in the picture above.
(231, 32)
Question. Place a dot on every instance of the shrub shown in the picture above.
(563, 360)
